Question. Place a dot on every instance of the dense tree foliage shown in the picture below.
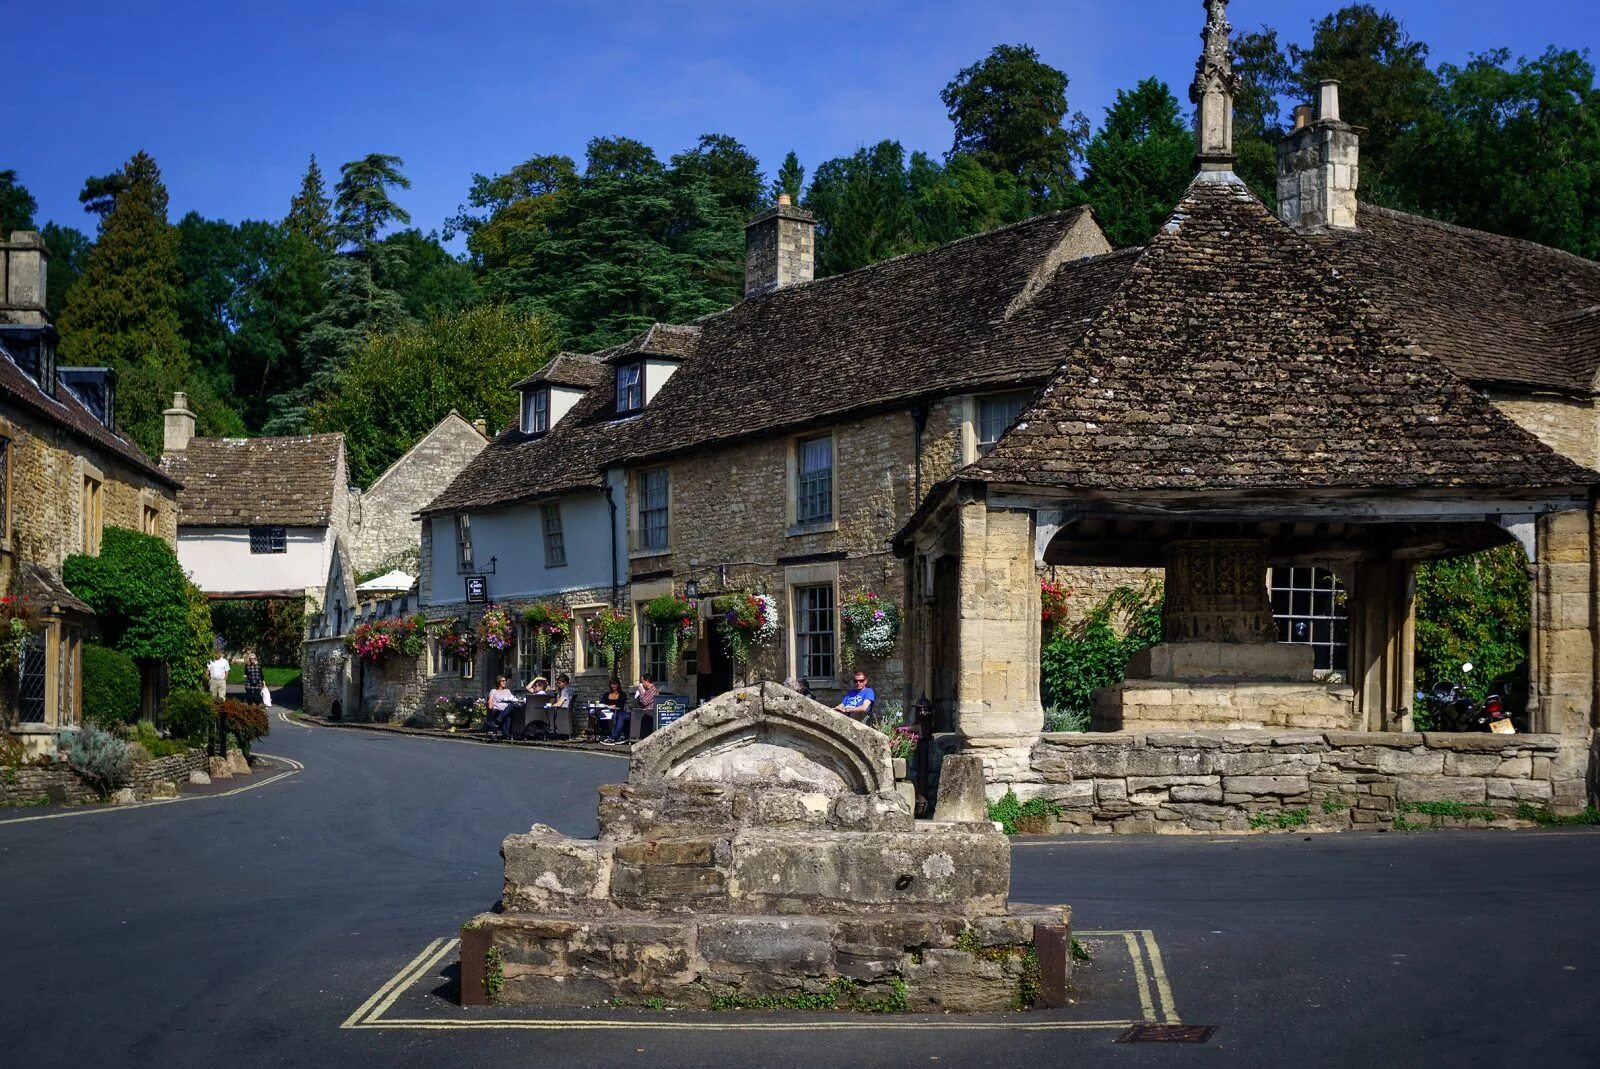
(1010, 114)
(1472, 609)
(1140, 162)
(16, 205)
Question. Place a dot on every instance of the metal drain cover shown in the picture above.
(1167, 1033)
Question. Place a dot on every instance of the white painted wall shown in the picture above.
(220, 562)
(515, 536)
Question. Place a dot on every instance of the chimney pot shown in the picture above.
(1327, 100)
(481, 425)
(783, 198)
(179, 429)
(1302, 116)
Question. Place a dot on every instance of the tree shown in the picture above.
(1010, 114)
(139, 594)
(16, 205)
(510, 204)
(69, 258)
(733, 174)
(1472, 609)
(428, 280)
(1140, 162)
(791, 178)
(124, 312)
(401, 383)
(1265, 77)
(310, 211)
(99, 194)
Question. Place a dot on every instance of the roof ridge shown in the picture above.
(1457, 228)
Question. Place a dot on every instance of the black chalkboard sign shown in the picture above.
(670, 707)
(477, 589)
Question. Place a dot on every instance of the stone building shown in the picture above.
(384, 529)
(66, 473)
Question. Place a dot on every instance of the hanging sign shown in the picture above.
(477, 589)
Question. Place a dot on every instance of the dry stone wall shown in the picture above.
(1219, 781)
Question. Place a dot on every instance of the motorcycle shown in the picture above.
(1451, 708)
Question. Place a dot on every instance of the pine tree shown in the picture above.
(791, 178)
(125, 310)
(310, 211)
(16, 205)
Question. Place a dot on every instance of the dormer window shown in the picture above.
(630, 388)
(536, 410)
(34, 351)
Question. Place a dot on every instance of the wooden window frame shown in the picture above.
(643, 545)
(555, 541)
(463, 526)
(92, 507)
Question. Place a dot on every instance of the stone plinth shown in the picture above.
(760, 855)
(1177, 705)
(1275, 661)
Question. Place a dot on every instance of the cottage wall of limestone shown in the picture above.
(1569, 425)
(383, 528)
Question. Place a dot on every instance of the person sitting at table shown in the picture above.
(538, 686)
(500, 702)
(645, 694)
(859, 700)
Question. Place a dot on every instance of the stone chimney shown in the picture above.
(780, 248)
(481, 425)
(22, 278)
(1319, 166)
(1215, 83)
(180, 425)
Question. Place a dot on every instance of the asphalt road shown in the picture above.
(243, 930)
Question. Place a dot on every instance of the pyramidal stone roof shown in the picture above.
(1237, 357)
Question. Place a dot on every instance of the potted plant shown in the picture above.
(678, 616)
(494, 628)
(455, 640)
(382, 640)
(871, 626)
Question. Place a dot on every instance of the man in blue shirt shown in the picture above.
(858, 701)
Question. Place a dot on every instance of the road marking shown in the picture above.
(404, 972)
(294, 767)
(370, 1014)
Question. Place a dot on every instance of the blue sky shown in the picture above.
(231, 98)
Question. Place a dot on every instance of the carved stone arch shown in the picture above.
(767, 735)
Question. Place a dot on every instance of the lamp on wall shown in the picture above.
(691, 590)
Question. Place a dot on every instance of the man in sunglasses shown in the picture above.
(858, 700)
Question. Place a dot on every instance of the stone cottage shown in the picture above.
(384, 530)
(66, 473)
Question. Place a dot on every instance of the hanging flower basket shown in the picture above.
(745, 623)
(678, 616)
(871, 626)
(17, 622)
(550, 625)
(382, 640)
(494, 628)
(610, 631)
(455, 640)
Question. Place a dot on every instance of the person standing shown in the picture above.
(217, 676)
(858, 701)
(253, 679)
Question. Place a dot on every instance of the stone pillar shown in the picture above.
(997, 677)
(1383, 642)
(1562, 647)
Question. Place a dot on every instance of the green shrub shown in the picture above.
(1014, 816)
(1472, 608)
(153, 744)
(191, 715)
(110, 686)
(98, 756)
(246, 722)
(1094, 653)
(1073, 720)
(139, 594)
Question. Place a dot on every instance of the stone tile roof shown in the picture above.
(662, 340)
(580, 370)
(44, 588)
(985, 312)
(235, 482)
(1496, 310)
(67, 412)
(1236, 357)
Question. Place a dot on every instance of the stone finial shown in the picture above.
(1215, 83)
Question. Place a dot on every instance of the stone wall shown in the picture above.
(383, 528)
(48, 466)
(1566, 424)
(1219, 781)
(175, 767)
(59, 783)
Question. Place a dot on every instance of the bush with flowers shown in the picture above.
(678, 616)
(1053, 599)
(745, 623)
(17, 622)
(458, 713)
(550, 625)
(380, 640)
(871, 626)
(610, 631)
(494, 628)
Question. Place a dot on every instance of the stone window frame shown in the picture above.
(795, 578)
(462, 522)
(639, 594)
(555, 541)
(972, 444)
(641, 548)
(91, 509)
(149, 513)
(581, 665)
(532, 410)
(796, 446)
(8, 463)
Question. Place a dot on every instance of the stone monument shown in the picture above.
(759, 856)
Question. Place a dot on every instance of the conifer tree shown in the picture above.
(310, 211)
(125, 310)
(791, 178)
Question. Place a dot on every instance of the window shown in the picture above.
(150, 524)
(653, 638)
(529, 663)
(653, 509)
(446, 663)
(31, 667)
(91, 515)
(464, 543)
(555, 546)
(814, 631)
(630, 388)
(1310, 608)
(268, 540)
(536, 411)
(995, 414)
(587, 656)
(813, 486)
